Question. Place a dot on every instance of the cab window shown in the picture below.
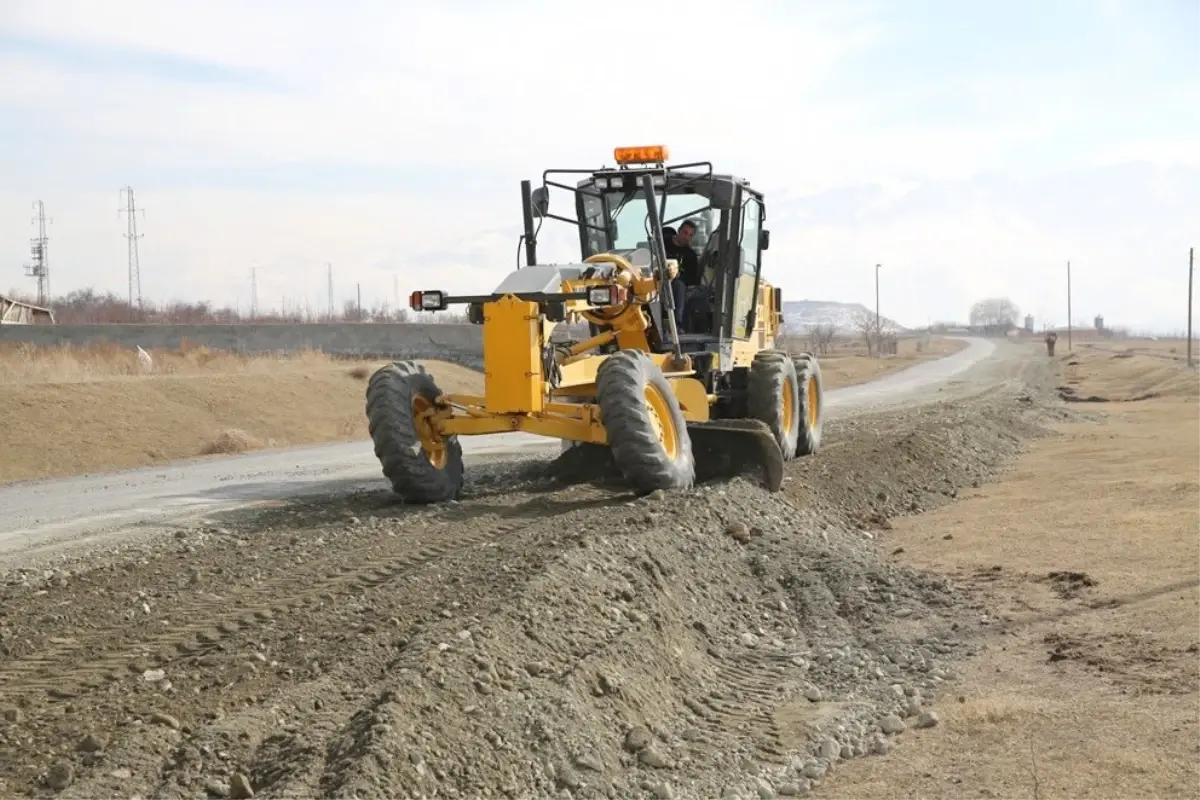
(751, 225)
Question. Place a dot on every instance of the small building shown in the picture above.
(17, 312)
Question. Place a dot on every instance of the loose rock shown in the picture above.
(928, 719)
(60, 776)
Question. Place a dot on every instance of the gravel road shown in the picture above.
(41, 517)
(538, 638)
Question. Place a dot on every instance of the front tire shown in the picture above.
(423, 466)
(644, 424)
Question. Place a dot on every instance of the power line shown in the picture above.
(40, 268)
(135, 272)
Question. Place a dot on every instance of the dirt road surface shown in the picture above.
(40, 516)
(538, 638)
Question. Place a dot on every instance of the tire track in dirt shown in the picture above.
(82, 669)
(758, 689)
(329, 742)
(77, 665)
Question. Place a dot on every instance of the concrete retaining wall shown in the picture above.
(460, 344)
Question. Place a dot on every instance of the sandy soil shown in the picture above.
(198, 401)
(1086, 556)
(542, 637)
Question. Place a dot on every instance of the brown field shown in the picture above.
(198, 401)
(1088, 553)
(1169, 349)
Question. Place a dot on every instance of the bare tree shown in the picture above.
(889, 339)
(820, 336)
(351, 312)
(92, 307)
(864, 324)
(996, 315)
(881, 338)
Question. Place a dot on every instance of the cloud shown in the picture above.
(117, 62)
(966, 146)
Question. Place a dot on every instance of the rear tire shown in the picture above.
(811, 405)
(773, 394)
(644, 423)
(416, 474)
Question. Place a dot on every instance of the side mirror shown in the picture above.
(764, 239)
(540, 200)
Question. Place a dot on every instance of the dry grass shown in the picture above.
(78, 411)
(26, 363)
(1168, 349)
(1123, 371)
(1092, 691)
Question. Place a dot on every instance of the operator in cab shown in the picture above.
(679, 247)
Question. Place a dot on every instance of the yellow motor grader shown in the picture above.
(665, 388)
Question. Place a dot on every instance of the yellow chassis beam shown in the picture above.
(467, 415)
(574, 421)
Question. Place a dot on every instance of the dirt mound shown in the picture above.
(533, 639)
(916, 461)
(233, 440)
(1103, 375)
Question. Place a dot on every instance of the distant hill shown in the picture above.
(800, 315)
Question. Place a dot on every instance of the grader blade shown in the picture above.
(727, 448)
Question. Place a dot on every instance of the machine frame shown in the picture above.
(536, 385)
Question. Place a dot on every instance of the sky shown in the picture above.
(971, 148)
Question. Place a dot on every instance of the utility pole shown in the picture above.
(135, 271)
(878, 328)
(253, 293)
(396, 292)
(358, 286)
(329, 267)
(40, 268)
(1191, 268)
(1069, 323)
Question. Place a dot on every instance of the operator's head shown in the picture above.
(686, 231)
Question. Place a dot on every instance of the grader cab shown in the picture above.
(666, 393)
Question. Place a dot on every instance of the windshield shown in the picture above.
(632, 221)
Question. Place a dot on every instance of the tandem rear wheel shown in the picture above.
(785, 394)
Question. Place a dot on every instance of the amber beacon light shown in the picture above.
(650, 154)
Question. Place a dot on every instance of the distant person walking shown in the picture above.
(1051, 338)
